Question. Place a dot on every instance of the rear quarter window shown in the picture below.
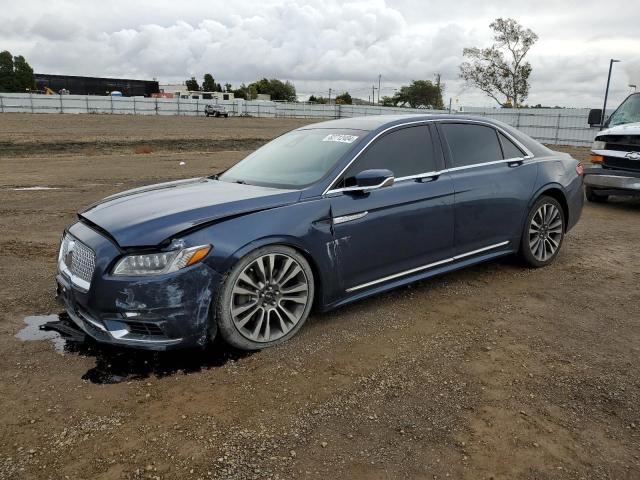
(509, 149)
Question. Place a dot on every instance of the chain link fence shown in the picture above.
(561, 126)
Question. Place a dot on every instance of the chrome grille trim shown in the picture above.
(79, 265)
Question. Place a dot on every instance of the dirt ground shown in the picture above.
(494, 372)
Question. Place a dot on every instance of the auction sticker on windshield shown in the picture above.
(338, 137)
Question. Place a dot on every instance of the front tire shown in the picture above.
(265, 299)
(595, 197)
(543, 232)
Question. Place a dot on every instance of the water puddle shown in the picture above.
(34, 331)
(118, 364)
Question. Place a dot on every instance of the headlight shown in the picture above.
(598, 145)
(160, 262)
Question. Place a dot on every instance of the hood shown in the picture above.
(626, 129)
(146, 216)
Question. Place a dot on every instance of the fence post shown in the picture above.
(157, 106)
(111, 96)
(557, 129)
(1, 104)
(518, 120)
(61, 104)
(86, 98)
(31, 100)
(134, 105)
(197, 107)
(178, 105)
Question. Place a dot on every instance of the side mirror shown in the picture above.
(368, 180)
(595, 117)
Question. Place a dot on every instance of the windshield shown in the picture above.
(295, 160)
(627, 112)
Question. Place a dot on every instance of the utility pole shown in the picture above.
(379, 79)
(329, 96)
(606, 92)
(373, 94)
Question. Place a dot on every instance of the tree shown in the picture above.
(247, 92)
(277, 89)
(23, 74)
(192, 85)
(7, 76)
(344, 99)
(500, 70)
(420, 93)
(227, 87)
(209, 84)
(319, 99)
(387, 101)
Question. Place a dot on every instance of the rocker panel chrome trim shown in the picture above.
(425, 267)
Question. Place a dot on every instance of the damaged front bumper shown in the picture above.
(154, 313)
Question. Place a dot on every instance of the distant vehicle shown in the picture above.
(116, 93)
(215, 111)
(48, 91)
(324, 215)
(616, 153)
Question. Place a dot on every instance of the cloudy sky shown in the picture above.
(328, 44)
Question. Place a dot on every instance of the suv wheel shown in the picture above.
(595, 197)
(265, 299)
(543, 232)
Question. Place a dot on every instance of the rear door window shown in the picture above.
(471, 144)
(407, 151)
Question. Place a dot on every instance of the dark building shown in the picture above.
(96, 85)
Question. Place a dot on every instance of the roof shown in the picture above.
(377, 122)
(373, 122)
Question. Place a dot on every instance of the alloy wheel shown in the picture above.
(545, 232)
(269, 297)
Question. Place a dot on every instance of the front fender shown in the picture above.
(305, 227)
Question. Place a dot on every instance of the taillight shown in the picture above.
(580, 169)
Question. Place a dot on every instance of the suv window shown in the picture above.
(471, 144)
(408, 151)
(509, 148)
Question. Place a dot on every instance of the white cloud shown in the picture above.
(323, 44)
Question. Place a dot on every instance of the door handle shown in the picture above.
(428, 178)
(515, 163)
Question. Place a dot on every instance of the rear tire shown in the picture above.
(265, 298)
(595, 197)
(543, 232)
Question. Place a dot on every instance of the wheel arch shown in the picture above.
(556, 192)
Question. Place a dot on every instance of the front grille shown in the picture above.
(143, 328)
(622, 147)
(77, 259)
(622, 163)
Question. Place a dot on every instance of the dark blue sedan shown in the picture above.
(323, 215)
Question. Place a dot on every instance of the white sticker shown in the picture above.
(338, 137)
